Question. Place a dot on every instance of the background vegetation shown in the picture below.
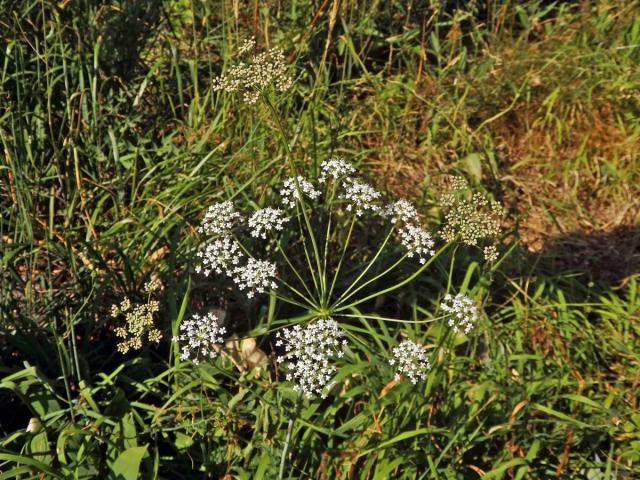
(113, 144)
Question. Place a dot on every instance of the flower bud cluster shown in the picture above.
(308, 354)
(252, 78)
(472, 218)
(200, 337)
(410, 360)
(138, 320)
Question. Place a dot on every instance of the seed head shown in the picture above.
(138, 323)
(473, 218)
(251, 79)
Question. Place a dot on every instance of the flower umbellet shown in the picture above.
(461, 311)
(200, 337)
(309, 352)
(410, 360)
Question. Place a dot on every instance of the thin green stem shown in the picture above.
(346, 294)
(397, 285)
(287, 440)
(387, 319)
(293, 269)
(310, 302)
(344, 251)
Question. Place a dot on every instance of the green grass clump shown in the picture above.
(114, 142)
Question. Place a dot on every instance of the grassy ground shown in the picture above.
(113, 144)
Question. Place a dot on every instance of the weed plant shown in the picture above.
(116, 140)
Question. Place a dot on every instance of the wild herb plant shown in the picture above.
(299, 251)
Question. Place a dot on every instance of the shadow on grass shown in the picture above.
(584, 264)
(605, 258)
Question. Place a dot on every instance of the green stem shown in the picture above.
(345, 295)
(397, 285)
(293, 269)
(285, 138)
(344, 251)
(287, 440)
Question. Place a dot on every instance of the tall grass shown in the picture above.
(113, 142)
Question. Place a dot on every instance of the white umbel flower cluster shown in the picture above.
(309, 351)
(462, 312)
(410, 360)
(257, 276)
(266, 220)
(200, 337)
(335, 168)
(360, 197)
(418, 242)
(413, 236)
(290, 193)
(402, 211)
(219, 218)
(219, 255)
(222, 254)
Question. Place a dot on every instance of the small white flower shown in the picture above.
(290, 192)
(403, 211)
(199, 337)
(265, 220)
(417, 242)
(219, 218)
(462, 311)
(219, 255)
(308, 353)
(257, 276)
(490, 253)
(410, 360)
(335, 168)
(361, 197)
(247, 46)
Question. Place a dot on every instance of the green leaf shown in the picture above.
(183, 441)
(127, 465)
(473, 165)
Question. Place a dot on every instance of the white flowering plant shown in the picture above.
(323, 249)
(327, 247)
